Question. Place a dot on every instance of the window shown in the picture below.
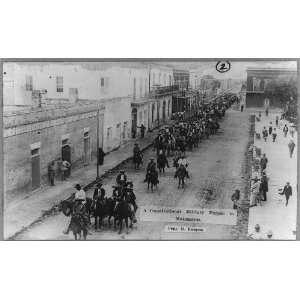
(124, 130)
(102, 82)
(59, 84)
(153, 80)
(141, 87)
(141, 116)
(159, 76)
(134, 88)
(28, 84)
(35, 151)
(165, 79)
(65, 141)
(109, 133)
(170, 80)
(146, 86)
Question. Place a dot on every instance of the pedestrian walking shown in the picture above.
(242, 107)
(285, 130)
(254, 192)
(265, 134)
(274, 134)
(291, 146)
(276, 121)
(292, 131)
(264, 187)
(143, 128)
(270, 128)
(51, 172)
(263, 162)
(235, 198)
(287, 191)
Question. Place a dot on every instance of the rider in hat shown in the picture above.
(99, 191)
(79, 206)
(121, 178)
(131, 196)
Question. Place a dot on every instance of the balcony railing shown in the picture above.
(160, 91)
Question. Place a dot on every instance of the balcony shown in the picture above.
(160, 91)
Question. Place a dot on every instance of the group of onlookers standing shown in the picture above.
(259, 186)
(58, 168)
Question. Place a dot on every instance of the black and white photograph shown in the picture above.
(150, 149)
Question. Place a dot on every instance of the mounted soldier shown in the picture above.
(99, 192)
(121, 178)
(137, 156)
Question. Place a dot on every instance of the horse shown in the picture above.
(162, 162)
(67, 206)
(78, 227)
(181, 173)
(123, 211)
(137, 160)
(152, 179)
(103, 208)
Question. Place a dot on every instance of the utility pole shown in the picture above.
(98, 117)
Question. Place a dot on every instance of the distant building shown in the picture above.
(181, 78)
(257, 83)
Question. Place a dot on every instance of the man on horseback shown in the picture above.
(183, 162)
(131, 196)
(137, 156)
(121, 178)
(99, 192)
(79, 208)
(162, 161)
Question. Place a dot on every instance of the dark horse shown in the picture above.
(123, 211)
(181, 173)
(137, 160)
(162, 162)
(78, 227)
(103, 208)
(152, 179)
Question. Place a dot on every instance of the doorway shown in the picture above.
(35, 168)
(66, 154)
(86, 148)
(134, 122)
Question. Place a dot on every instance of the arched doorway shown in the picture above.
(134, 122)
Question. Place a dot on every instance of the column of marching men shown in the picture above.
(171, 141)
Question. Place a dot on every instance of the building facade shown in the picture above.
(52, 110)
(33, 140)
(260, 79)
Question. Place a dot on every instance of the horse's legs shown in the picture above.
(115, 223)
(126, 223)
(96, 222)
(121, 225)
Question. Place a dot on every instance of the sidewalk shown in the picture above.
(21, 212)
(273, 215)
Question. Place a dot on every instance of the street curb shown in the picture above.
(55, 209)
